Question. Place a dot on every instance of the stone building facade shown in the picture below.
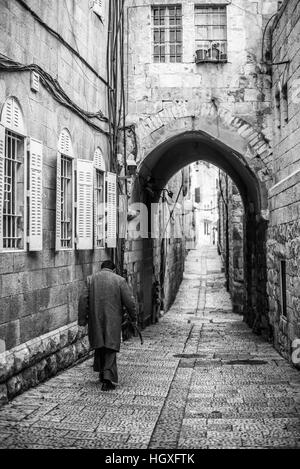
(58, 180)
(282, 236)
(51, 117)
(197, 89)
(284, 196)
(199, 86)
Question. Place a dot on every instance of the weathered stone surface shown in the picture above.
(39, 291)
(202, 380)
(34, 362)
(3, 394)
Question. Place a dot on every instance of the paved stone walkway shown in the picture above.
(201, 380)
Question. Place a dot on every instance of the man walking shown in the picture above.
(101, 306)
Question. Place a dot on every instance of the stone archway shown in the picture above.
(176, 137)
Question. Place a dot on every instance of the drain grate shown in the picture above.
(246, 362)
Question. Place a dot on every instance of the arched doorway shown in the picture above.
(187, 147)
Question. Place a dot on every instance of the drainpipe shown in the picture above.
(227, 233)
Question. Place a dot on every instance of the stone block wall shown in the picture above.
(284, 197)
(239, 83)
(161, 92)
(39, 359)
(158, 258)
(39, 291)
(232, 240)
(174, 246)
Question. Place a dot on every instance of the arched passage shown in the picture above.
(183, 148)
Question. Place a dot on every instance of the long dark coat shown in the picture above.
(101, 307)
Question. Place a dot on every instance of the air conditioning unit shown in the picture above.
(213, 52)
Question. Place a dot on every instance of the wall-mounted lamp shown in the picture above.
(131, 169)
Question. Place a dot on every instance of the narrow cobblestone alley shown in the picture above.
(201, 380)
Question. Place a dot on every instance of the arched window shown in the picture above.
(12, 177)
(65, 192)
(99, 199)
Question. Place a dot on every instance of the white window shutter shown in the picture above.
(96, 214)
(84, 204)
(12, 116)
(95, 209)
(58, 204)
(111, 208)
(65, 146)
(99, 160)
(2, 156)
(36, 195)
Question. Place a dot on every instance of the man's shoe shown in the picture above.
(108, 386)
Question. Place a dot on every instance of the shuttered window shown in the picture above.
(65, 193)
(99, 200)
(13, 192)
(84, 205)
(12, 116)
(65, 202)
(35, 208)
(99, 209)
(111, 210)
(12, 177)
(2, 156)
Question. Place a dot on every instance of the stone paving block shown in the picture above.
(168, 402)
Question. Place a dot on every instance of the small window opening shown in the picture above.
(283, 288)
(285, 108)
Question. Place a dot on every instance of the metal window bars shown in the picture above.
(211, 33)
(66, 202)
(167, 33)
(14, 196)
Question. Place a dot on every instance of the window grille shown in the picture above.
(167, 33)
(211, 33)
(14, 192)
(66, 202)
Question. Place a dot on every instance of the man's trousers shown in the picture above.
(105, 363)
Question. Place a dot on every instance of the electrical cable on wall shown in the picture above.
(55, 89)
(61, 39)
(172, 213)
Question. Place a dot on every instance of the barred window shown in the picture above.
(99, 210)
(66, 202)
(167, 33)
(14, 192)
(211, 33)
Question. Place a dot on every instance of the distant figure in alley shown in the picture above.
(101, 307)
